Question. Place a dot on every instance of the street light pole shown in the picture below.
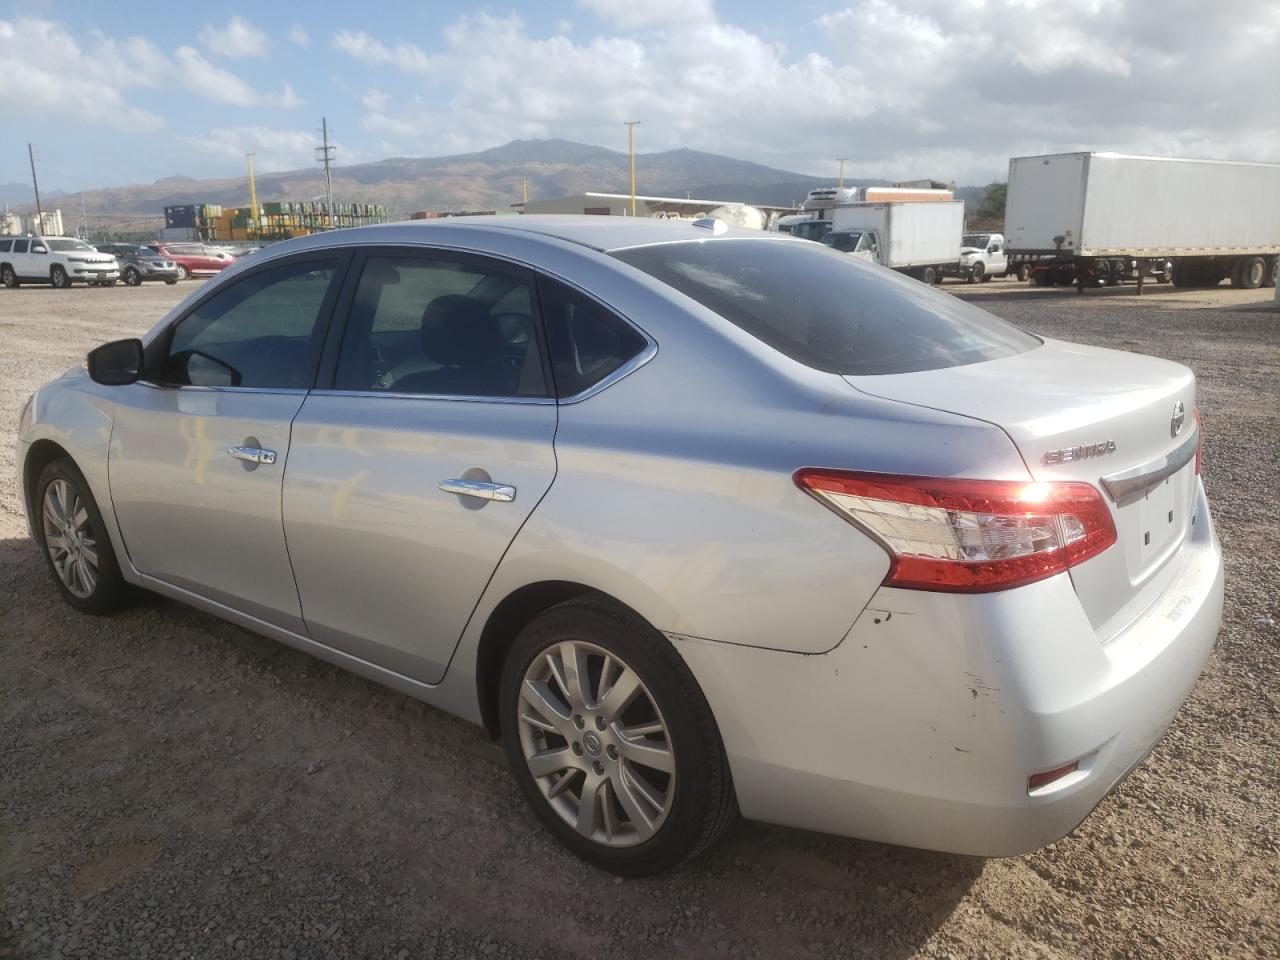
(631, 153)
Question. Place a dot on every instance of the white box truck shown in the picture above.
(1095, 218)
(918, 239)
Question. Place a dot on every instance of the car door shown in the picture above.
(416, 460)
(997, 259)
(23, 258)
(199, 447)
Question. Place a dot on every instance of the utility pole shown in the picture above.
(84, 220)
(526, 190)
(631, 153)
(324, 154)
(253, 199)
(841, 160)
(31, 154)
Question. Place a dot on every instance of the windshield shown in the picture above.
(66, 245)
(812, 229)
(827, 310)
(843, 241)
(979, 240)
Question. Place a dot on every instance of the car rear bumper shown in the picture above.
(922, 727)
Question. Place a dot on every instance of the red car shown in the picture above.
(194, 259)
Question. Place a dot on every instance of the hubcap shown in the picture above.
(596, 744)
(69, 538)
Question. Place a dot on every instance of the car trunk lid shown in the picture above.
(1122, 422)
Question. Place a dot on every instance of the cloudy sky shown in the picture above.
(125, 93)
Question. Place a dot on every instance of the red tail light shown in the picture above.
(968, 536)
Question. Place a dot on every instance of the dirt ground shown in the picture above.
(172, 786)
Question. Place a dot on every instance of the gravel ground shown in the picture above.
(172, 786)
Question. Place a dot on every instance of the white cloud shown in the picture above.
(33, 83)
(908, 88)
(239, 38)
(363, 47)
(273, 150)
(221, 86)
(299, 36)
(649, 13)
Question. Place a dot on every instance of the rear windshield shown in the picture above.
(828, 310)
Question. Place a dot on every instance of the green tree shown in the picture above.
(992, 205)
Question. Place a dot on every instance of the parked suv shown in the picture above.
(194, 259)
(58, 261)
(138, 263)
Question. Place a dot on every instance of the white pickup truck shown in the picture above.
(982, 256)
(57, 261)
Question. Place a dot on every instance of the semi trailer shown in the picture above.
(918, 239)
(1091, 219)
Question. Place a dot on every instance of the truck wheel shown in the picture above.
(1024, 272)
(976, 272)
(1042, 278)
(9, 278)
(58, 277)
(1272, 265)
(929, 276)
(1166, 272)
(1252, 271)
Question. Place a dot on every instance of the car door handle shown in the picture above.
(251, 454)
(479, 489)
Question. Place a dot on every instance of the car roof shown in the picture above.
(602, 233)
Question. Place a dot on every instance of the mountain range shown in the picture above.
(492, 179)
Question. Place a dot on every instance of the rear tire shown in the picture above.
(58, 277)
(183, 273)
(1024, 272)
(929, 275)
(9, 278)
(74, 540)
(132, 277)
(1252, 272)
(640, 821)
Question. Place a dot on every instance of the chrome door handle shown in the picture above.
(251, 454)
(479, 489)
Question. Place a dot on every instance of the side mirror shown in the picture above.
(117, 363)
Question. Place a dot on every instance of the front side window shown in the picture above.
(258, 331)
(20, 246)
(441, 327)
(588, 342)
(828, 311)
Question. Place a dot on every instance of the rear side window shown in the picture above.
(826, 309)
(588, 342)
(6, 246)
(439, 326)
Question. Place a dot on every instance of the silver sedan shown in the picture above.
(695, 520)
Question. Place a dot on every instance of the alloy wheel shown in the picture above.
(596, 744)
(69, 538)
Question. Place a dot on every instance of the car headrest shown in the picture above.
(458, 331)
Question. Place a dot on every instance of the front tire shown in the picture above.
(58, 277)
(611, 740)
(74, 541)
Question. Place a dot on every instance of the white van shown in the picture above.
(58, 261)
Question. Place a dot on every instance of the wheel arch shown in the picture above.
(41, 453)
(508, 618)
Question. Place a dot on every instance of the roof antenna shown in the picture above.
(716, 226)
